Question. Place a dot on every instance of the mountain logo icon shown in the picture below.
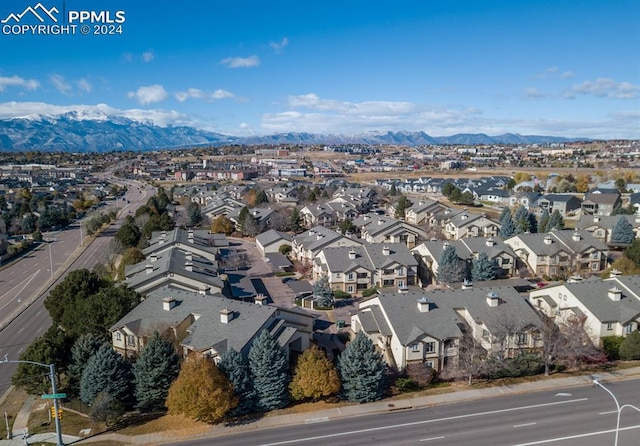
(38, 11)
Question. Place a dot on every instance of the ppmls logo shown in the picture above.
(40, 20)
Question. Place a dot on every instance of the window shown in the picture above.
(350, 276)
(118, 336)
(415, 348)
(400, 283)
(628, 328)
(485, 334)
(350, 289)
(428, 364)
(430, 347)
(338, 275)
(131, 340)
(595, 267)
(609, 326)
(400, 271)
(522, 338)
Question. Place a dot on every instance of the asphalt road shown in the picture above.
(26, 281)
(576, 416)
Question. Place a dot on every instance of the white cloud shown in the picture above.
(604, 88)
(551, 71)
(567, 74)
(241, 62)
(148, 56)
(149, 94)
(84, 86)
(195, 93)
(533, 93)
(367, 108)
(279, 46)
(16, 81)
(61, 84)
(554, 72)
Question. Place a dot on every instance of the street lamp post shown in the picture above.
(596, 382)
(54, 390)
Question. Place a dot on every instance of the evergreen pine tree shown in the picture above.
(533, 223)
(269, 371)
(107, 372)
(156, 368)
(450, 268)
(483, 268)
(296, 222)
(83, 349)
(521, 218)
(555, 221)
(236, 369)
(393, 191)
(622, 232)
(261, 197)
(544, 222)
(507, 226)
(314, 376)
(242, 218)
(362, 371)
(323, 293)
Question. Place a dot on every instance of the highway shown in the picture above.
(576, 416)
(27, 280)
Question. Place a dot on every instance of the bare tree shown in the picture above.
(578, 347)
(471, 359)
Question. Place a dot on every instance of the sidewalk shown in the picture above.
(387, 405)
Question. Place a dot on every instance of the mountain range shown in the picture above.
(79, 132)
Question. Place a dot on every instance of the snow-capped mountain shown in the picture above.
(83, 131)
(98, 131)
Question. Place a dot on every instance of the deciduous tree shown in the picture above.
(201, 392)
(314, 377)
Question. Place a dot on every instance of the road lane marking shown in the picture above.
(524, 425)
(609, 412)
(436, 420)
(33, 276)
(572, 437)
(434, 438)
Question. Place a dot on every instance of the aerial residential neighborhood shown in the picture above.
(311, 223)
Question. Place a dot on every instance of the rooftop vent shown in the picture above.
(226, 315)
(615, 294)
(424, 305)
(260, 299)
(493, 299)
(168, 303)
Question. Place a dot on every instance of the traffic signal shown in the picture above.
(59, 414)
(53, 412)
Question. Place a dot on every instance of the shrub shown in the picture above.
(339, 294)
(369, 292)
(407, 385)
(611, 346)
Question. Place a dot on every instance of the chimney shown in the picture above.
(467, 285)
(380, 221)
(490, 242)
(403, 290)
(226, 316)
(319, 236)
(615, 294)
(548, 240)
(615, 273)
(153, 257)
(386, 251)
(188, 265)
(424, 305)
(260, 299)
(203, 290)
(493, 299)
(464, 217)
(312, 233)
(596, 218)
(352, 255)
(576, 236)
(168, 303)
(148, 268)
(348, 234)
(190, 236)
(188, 256)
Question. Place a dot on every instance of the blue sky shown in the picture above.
(240, 67)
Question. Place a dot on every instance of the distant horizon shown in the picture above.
(255, 69)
